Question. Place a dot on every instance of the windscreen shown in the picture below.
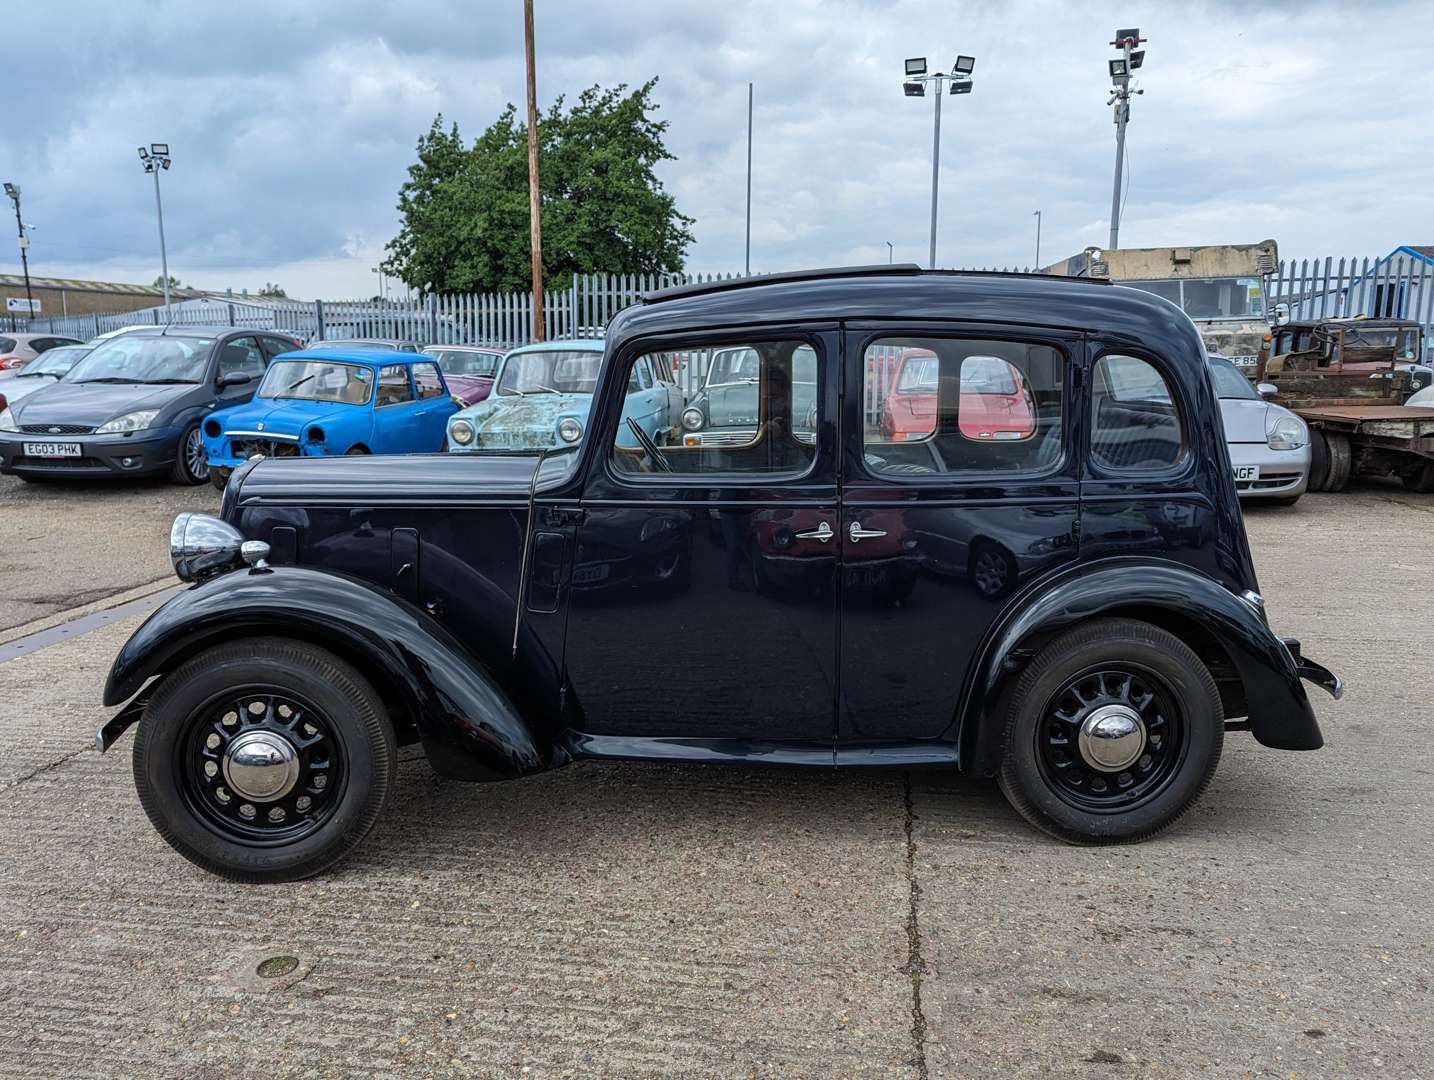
(317, 380)
(133, 359)
(1228, 381)
(559, 371)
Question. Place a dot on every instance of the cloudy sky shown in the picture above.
(291, 126)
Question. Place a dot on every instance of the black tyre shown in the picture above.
(1319, 461)
(264, 760)
(1418, 476)
(355, 450)
(1115, 729)
(1341, 461)
(191, 460)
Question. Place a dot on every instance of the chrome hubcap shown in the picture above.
(1112, 738)
(261, 765)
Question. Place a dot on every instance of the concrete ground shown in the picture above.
(647, 919)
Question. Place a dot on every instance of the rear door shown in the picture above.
(946, 520)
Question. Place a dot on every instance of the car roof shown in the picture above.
(191, 330)
(596, 345)
(385, 342)
(465, 348)
(368, 356)
(913, 296)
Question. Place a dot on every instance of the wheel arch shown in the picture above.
(469, 727)
(1253, 670)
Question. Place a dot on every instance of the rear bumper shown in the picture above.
(139, 454)
(1313, 672)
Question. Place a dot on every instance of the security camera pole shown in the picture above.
(155, 159)
(14, 193)
(1120, 71)
(534, 200)
(915, 86)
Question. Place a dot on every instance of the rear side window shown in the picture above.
(948, 405)
(393, 388)
(7, 344)
(1134, 422)
(425, 377)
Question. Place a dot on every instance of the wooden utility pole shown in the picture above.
(534, 201)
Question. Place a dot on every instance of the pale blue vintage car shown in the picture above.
(542, 394)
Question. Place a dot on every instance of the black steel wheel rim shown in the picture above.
(300, 811)
(1075, 780)
(195, 456)
(990, 572)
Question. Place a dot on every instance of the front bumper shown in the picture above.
(1282, 473)
(139, 453)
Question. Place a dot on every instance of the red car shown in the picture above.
(467, 369)
(994, 402)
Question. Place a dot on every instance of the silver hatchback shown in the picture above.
(1269, 445)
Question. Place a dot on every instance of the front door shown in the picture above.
(398, 425)
(704, 581)
(960, 487)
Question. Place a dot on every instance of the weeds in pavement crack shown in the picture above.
(915, 965)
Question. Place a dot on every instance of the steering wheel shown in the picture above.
(649, 446)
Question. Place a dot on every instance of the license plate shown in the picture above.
(52, 449)
(1247, 472)
(1244, 361)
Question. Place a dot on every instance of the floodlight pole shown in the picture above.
(1121, 99)
(14, 193)
(534, 191)
(936, 165)
(748, 263)
(163, 257)
(1037, 267)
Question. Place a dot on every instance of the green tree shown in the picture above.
(158, 282)
(273, 291)
(465, 208)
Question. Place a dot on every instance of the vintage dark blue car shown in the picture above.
(1072, 610)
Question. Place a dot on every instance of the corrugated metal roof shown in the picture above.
(78, 285)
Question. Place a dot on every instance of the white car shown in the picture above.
(1423, 397)
(1269, 445)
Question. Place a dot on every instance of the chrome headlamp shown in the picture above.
(201, 546)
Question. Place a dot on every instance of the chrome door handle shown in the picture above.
(858, 534)
(822, 532)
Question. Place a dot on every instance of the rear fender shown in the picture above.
(1280, 715)
(469, 727)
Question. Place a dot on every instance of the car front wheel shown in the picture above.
(264, 759)
(191, 462)
(1114, 730)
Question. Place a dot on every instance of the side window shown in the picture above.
(753, 411)
(274, 346)
(1134, 421)
(425, 378)
(393, 388)
(241, 355)
(949, 405)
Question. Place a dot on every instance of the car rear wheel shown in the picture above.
(1341, 461)
(1114, 730)
(264, 760)
(1319, 461)
(191, 463)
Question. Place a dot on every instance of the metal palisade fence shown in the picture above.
(1399, 286)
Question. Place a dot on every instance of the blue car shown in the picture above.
(542, 395)
(327, 401)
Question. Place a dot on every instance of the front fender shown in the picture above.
(1280, 715)
(469, 727)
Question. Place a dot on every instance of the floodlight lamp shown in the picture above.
(1131, 35)
(159, 149)
(916, 65)
(1137, 58)
(164, 162)
(1118, 69)
(11, 190)
(914, 89)
(964, 65)
(143, 154)
(961, 86)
